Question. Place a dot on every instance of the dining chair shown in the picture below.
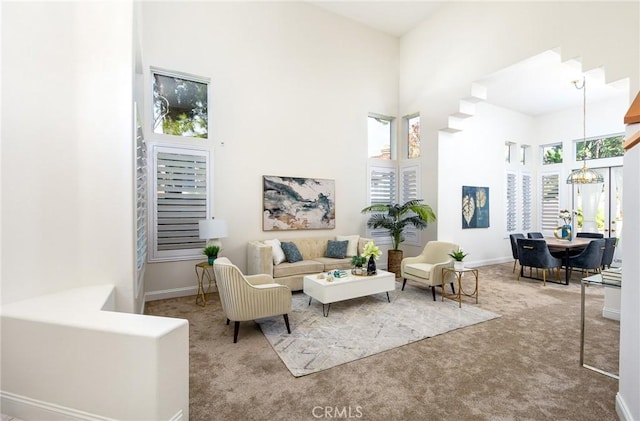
(609, 249)
(514, 248)
(590, 235)
(535, 254)
(589, 259)
(535, 235)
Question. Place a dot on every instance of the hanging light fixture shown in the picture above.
(584, 175)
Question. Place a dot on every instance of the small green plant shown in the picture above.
(358, 261)
(458, 255)
(211, 251)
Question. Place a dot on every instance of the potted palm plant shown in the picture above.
(395, 218)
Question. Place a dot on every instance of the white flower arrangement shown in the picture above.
(370, 249)
(566, 215)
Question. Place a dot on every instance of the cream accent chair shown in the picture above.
(427, 267)
(249, 297)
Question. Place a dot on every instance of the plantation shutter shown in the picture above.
(527, 218)
(511, 216)
(382, 190)
(550, 204)
(181, 200)
(410, 190)
(141, 201)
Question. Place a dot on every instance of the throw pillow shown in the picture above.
(276, 251)
(336, 249)
(352, 248)
(291, 252)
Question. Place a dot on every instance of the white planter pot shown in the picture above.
(458, 265)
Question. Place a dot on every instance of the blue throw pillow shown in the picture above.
(336, 249)
(291, 252)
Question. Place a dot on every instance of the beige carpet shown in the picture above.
(521, 366)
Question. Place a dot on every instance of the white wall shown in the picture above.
(292, 86)
(627, 402)
(463, 42)
(67, 155)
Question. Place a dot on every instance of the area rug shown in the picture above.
(364, 326)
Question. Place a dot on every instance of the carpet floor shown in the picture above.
(523, 365)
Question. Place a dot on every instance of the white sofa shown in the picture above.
(313, 250)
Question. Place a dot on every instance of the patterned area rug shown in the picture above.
(364, 326)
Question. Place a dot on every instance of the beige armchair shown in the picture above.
(249, 297)
(427, 267)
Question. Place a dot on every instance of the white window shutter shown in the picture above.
(410, 190)
(180, 200)
(512, 203)
(550, 201)
(382, 190)
(527, 193)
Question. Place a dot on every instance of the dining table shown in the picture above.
(576, 244)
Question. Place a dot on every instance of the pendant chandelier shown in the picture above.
(584, 175)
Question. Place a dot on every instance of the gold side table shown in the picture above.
(203, 269)
(458, 274)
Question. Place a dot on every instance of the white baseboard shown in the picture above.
(622, 409)
(33, 409)
(609, 313)
(170, 293)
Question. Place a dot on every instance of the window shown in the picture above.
(180, 104)
(602, 147)
(409, 190)
(512, 203)
(552, 154)
(380, 136)
(508, 146)
(527, 192)
(413, 136)
(179, 190)
(524, 154)
(141, 205)
(382, 190)
(550, 202)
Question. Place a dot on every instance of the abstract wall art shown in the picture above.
(475, 207)
(295, 203)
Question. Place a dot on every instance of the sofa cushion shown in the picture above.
(276, 251)
(329, 263)
(421, 270)
(336, 249)
(303, 267)
(291, 252)
(352, 248)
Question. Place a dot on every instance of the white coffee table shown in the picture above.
(346, 288)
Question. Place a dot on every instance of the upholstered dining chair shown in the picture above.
(590, 235)
(426, 268)
(589, 259)
(249, 297)
(609, 249)
(534, 253)
(535, 235)
(514, 248)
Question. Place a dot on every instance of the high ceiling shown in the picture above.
(536, 86)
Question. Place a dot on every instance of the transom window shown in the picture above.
(380, 136)
(552, 154)
(180, 104)
(600, 147)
